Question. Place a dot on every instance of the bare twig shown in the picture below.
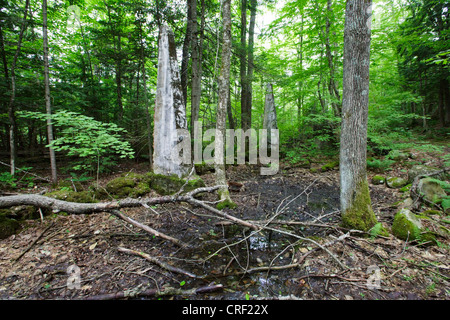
(166, 291)
(33, 243)
(146, 228)
(157, 262)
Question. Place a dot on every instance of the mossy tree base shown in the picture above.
(225, 200)
(360, 215)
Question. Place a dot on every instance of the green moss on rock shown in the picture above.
(8, 226)
(330, 166)
(406, 226)
(121, 187)
(72, 196)
(396, 182)
(377, 180)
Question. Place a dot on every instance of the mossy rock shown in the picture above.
(412, 227)
(167, 185)
(8, 226)
(330, 166)
(398, 155)
(431, 190)
(204, 168)
(137, 185)
(72, 196)
(120, 187)
(406, 225)
(396, 182)
(419, 170)
(378, 180)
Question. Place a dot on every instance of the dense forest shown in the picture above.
(79, 122)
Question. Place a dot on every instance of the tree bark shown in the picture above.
(170, 111)
(47, 94)
(186, 46)
(11, 111)
(243, 66)
(224, 96)
(332, 87)
(251, 35)
(355, 198)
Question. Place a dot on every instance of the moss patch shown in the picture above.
(167, 185)
(72, 196)
(396, 182)
(360, 215)
(121, 187)
(330, 166)
(226, 202)
(8, 226)
(406, 226)
(378, 180)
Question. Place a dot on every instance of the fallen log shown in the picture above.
(113, 207)
(168, 291)
(87, 208)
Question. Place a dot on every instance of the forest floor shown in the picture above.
(324, 262)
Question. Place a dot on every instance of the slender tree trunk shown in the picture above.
(224, 96)
(119, 76)
(355, 198)
(11, 111)
(47, 93)
(332, 87)
(441, 103)
(243, 66)
(251, 34)
(186, 46)
(446, 98)
(300, 82)
(147, 102)
(196, 65)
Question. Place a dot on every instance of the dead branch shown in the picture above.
(33, 243)
(56, 205)
(157, 262)
(167, 291)
(146, 228)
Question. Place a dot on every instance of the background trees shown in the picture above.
(103, 59)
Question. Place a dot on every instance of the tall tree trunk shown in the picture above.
(355, 198)
(119, 77)
(147, 102)
(332, 87)
(47, 93)
(441, 103)
(224, 96)
(251, 34)
(243, 66)
(186, 46)
(11, 111)
(446, 99)
(196, 63)
(300, 82)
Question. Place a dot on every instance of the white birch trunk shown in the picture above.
(170, 111)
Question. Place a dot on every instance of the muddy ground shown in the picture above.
(323, 262)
